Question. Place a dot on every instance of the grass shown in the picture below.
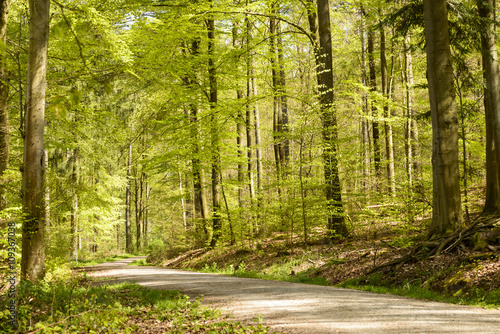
(74, 305)
(477, 297)
(140, 262)
(282, 271)
(93, 262)
(279, 272)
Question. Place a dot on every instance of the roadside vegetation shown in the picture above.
(367, 260)
(70, 302)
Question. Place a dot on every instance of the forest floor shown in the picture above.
(463, 276)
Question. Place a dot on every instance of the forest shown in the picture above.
(169, 126)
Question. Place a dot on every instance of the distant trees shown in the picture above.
(237, 121)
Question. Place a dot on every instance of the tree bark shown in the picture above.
(373, 88)
(336, 225)
(389, 146)
(239, 130)
(4, 95)
(248, 114)
(216, 168)
(447, 210)
(365, 133)
(128, 232)
(33, 234)
(491, 105)
(74, 208)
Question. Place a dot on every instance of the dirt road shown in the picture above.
(302, 308)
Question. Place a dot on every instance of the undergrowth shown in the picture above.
(68, 302)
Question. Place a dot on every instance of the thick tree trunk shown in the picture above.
(491, 106)
(4, 113)
(336, 224)
(447, 209)
(128, 232)
(216, 168)
(33, 234)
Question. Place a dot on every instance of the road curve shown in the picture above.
(303, 308)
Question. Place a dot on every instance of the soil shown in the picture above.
(303, 308)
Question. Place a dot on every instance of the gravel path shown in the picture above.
(302, 308)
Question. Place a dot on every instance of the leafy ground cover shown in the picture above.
(465, 275)
(69, 302)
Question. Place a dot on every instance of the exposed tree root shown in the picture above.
(483, 233)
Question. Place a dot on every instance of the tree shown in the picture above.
(215, 140)
(447, 210)
(4, 95)
(491, 105)
(33, 234)
(336, 224)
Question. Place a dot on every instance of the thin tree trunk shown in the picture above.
(33, 234)
(183, 202)
(216, 168)
(47, 195)
(389, 146)
(492, 106)
(128, 232)
(138, 211)
(447, 208)
(146, 215)
(74, 208)
(4, 95)
(258, 149)
(373, 88)
(239, 130)
(248, 118)
(365, 133)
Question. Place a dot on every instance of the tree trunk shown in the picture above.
(389, 146)
(373, 88)
(239, 130)
(128, 232)
(4, 95)
(248, 116)
(216, 168)
(33, 234)
(491, 106)
(336, 224)
(200, 199)
(74, 208)
(447, 210)
(138, 210)
(365, 133)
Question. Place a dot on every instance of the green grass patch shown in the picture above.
(278, 272)
(474, 297)
(93, 262)
(140, 262)
(78, 306)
